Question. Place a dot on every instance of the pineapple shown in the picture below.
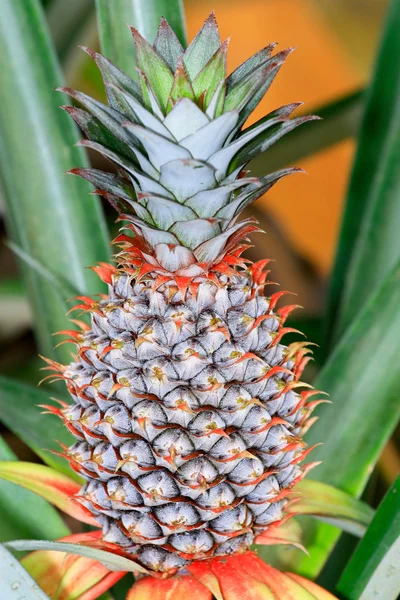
(186, 407)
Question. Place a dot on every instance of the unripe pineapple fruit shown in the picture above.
(187, 406)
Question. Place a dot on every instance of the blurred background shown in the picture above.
(335, 42)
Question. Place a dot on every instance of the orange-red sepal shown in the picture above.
(180, 587)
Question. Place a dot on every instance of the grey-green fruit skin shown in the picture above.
(174, 430)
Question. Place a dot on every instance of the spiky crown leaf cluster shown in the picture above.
(178, 142)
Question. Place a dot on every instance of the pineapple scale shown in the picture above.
(185, 437)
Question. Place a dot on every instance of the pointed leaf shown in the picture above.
(167, 212)
(267, 138)
(16, 583)
(250, 143)
(202, 48)
(340, 120)
(249, 90)
(288, 533)
(113, 562)
(95, 131)
(209, 202)
(157, 72)
(185, 119)
(210, 77)
(332, 506)
(182, 87)
(112, 75)
(156, 146)
(208, 140)
(138, 112)
(70, 577)
(253, 192)
(56, 488)
(120, 160)
(373, 570)
(107, 182)
(249, 65)
(184, 178)
(167, 44)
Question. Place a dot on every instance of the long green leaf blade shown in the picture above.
(16, 583)
(340, 120)
(369, 244)
(50, 216)
(20, 412)
(373, 571)
(41, 520)
(115, 37)
(364, 389)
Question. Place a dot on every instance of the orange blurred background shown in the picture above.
(332, 58)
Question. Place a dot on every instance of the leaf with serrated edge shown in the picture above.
(69, 577)
(114, 562)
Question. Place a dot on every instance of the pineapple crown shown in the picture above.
(177, 139)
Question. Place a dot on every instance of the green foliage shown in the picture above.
(54, 216)
(373, 571)
(20, 412)
(49, 214)
(15, 520)
(369, 243)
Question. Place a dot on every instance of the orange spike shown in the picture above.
(275, 297)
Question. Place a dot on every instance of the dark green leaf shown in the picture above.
(50, 216)
(16, 583)
(340, 120)
(42, 520)
(373, 571)
(20, 412)
(369, 244)
(115, 37)
(364, 387)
